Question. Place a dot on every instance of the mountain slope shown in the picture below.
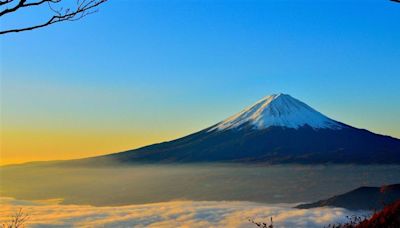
(277, 129)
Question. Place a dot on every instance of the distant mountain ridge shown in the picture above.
(276, 129)
(363, 198)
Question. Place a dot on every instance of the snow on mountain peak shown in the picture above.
(278, 110)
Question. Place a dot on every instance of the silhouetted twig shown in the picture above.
(17, 220)
(262, 224)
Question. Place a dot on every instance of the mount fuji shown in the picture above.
(276, 129)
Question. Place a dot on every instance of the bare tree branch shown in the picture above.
(82, 9)
(13, 9)
(22, 4)
(3, 2)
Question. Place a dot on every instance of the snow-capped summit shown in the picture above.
(279, 110)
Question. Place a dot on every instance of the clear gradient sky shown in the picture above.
(140, 72)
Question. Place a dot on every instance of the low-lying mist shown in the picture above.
(159, 183)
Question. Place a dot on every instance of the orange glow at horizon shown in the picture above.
(20, 146)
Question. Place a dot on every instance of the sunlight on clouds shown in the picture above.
(170, 214)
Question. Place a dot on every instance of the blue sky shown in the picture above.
(167, 68)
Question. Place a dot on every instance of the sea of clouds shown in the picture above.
(170, 214)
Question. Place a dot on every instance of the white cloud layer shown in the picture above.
(169, 214)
